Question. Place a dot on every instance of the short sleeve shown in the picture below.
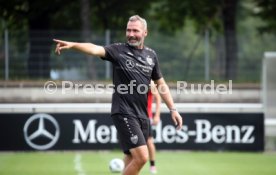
(111, 52)
(156, 72)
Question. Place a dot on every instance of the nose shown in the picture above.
(130, 33)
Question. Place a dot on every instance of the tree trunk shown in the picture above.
(229, 23)
(86, 36)
(219, 57)
(40, 48)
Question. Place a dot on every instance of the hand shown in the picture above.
(177, 119)
(62, 45)
(155, 120)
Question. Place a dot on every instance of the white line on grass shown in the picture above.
(78, 166)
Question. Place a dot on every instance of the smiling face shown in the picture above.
(136, 33)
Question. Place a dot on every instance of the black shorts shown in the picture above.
(132, 131)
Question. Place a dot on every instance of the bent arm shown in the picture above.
(87, 48)
(164, 92)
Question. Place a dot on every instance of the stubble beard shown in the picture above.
(135, 44)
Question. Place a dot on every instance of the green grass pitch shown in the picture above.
(168, 163)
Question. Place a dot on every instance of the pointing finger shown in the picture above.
(57, 41)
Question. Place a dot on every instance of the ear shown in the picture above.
(146, 32)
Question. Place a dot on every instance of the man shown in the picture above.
(154, 120)
(134, 65)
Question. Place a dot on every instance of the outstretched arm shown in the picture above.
(87, 48)
(166, 96)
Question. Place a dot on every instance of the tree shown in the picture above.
(229, 11)
(86, 35)
(266, 10)
(42, 16)
(218, 15)
(37, 15)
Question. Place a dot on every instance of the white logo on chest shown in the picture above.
(130, 64)
(149, 60)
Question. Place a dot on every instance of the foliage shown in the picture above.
(266, 10)
(173, 14)
(175, 26)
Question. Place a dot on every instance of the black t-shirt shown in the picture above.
(132, 71)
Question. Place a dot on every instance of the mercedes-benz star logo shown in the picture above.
(41, 131)
(130, 64)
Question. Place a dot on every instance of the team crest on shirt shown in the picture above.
(134, 139)
(149, 60)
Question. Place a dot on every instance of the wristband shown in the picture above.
(172, 110)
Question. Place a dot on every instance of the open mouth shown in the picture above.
(132, 40)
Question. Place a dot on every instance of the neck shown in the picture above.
(140, 46)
